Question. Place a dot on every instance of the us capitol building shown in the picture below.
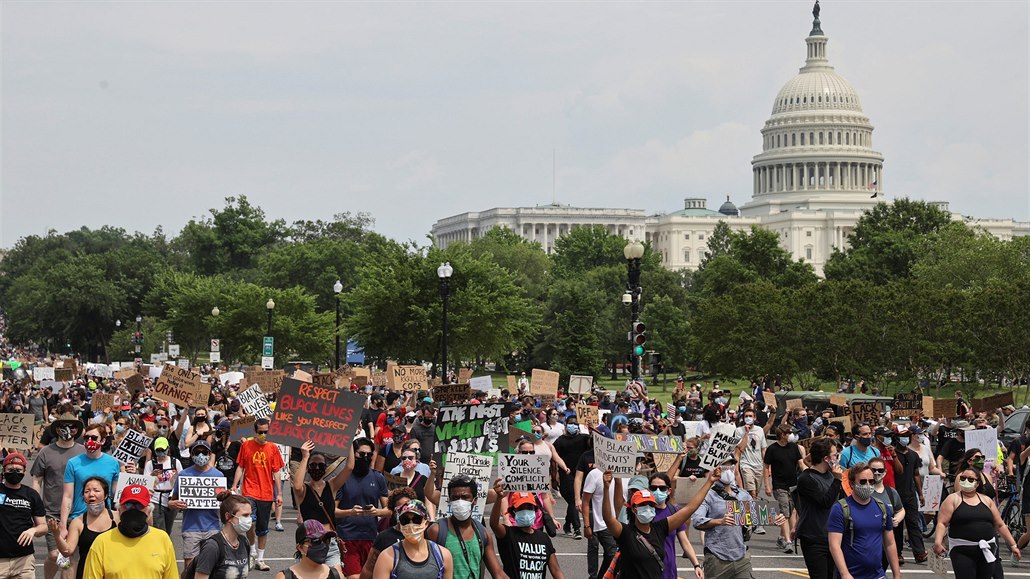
(815, 176)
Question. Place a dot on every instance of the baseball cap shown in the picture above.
(519, 500)
(200, 444)
(312, 530)
(883, 431)
(637, 483)
(160, 443)
(137, 493)
(224, 425)
(643, 497)
(414, 506)
(15, 458)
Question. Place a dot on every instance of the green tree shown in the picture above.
(669, 329)
(231, 239)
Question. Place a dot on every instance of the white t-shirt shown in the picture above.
(926, 457)
(751, 456)
(594, 483)
(551, 433)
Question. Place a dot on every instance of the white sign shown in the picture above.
(476, 466)
(481, 384)
(720, 446)
(125, 479)
(41, 373)
(528, 473)
(230, 378)
(184, 363)
(200, 492)
(580, 384)
(986, 439)
(618, 456)
(254, 402)
(493, 393)
(267, 362)
(215, 357)
(100, 370)
(155, 372)
(933, 486)
(132, 447)
(173, 350)
(284, 451)
(215, 345)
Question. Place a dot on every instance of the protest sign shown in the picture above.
(135, 384)
(200, 492)
(16, 431)
(41, 373)
(587, 415)
(125, 374)
(324, 379)
(406, 378)
(943, 408)
(795, 403)
(839, 400)
(986, 439)
(687, 489)
(720, 446)
(102, 400)
(478, 468)
(326, 416)
(70, 365)
(182, 387)
(132, 446)
(939, 564)
(907, 404)
(868, 412)
(663, 461)
(751, 513)
(284, 452)
(928, 407)
(528, 473)
(464, 375)
(513, 385)
(580, 384)
(231, 378)
(933, 487)
(493, 393)
(618, 456)
(452, 393)
(125, 479)
(478, 428)
(991, 404)
(654, 442)
(361, 373)
(53, 385)
(269, 380)
(481, 384)
(254, 402)
(154, 372)
(379, 379)
(243, 425)
(770, 398)
(394, 481)
(434, 382)
(63, 375)
(544, 385)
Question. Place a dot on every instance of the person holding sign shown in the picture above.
(97, 519)
(197, 524)
(163, 468)
(22, 519)
(525, 552)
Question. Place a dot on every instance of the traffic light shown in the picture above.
(639, 337)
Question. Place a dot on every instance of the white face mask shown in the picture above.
(792, 437)
(728, 477)
(749, 420)
(243, 524)
(461, 510)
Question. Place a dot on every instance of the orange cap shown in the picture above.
(643, 497)
(520, 500)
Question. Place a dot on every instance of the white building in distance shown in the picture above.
(816, 175)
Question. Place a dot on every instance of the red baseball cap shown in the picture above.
(521, 499)
(136, 493)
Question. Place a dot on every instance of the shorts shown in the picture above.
(750, 479)
(23, 567)
(354, 558)
(51, 542)
(191, 542)
(783, 501)
(261, 512)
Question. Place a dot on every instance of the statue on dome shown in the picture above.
(815, 10)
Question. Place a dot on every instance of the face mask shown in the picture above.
(862, 492)
(316, 470)
(692, 453)
(119, 428)
(792, 437)
(408, 464)
(645, 514)
(682, 409)
(93, 446)
(427, 420)
(525, 518)
(903, 441)
(133, 523)
(94, 508)
(728, 478)
(661, 497)
(979, 463)
(967, 485)
(243, 524)
(362, 465)
(878, 476)
(162, 430)
(64, 433)
(461, 510)
(538, 435)
(865, 441)
(318, 552)
(260, 438)
(572, 428)
(749, 420)
(161, 454)
(390, 420)
(201, 460)
(13, 478)
(887, 440)
(200, 419)
(413, 533)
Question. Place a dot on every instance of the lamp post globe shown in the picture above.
(444, 273)
(215, 311)
(337, 288)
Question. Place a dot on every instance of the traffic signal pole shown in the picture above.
(637, 336)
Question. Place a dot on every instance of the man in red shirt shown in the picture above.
(259, 465)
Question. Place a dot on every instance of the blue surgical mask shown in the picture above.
(661, 496)
(645, 514)
(525, 518)
(572, 428)
(538, 435)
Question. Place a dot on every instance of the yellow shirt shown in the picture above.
(115, 556)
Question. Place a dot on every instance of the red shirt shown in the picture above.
(259, 462)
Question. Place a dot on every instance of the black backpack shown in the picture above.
(190, 572)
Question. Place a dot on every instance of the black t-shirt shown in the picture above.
(571, 446)
(905, 479)
(524, 555)
(17, 508)
(637, 561)
(952, 451)
(678, 429)
(815, 496)
(370, 415)
(586, 462)
(386, 539)
(692, 467)
(783, 461)
(236, 561)
(225, 458)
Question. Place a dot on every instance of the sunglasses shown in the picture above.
(363, 455)
(968, 478)
(411, 519)
(408, 457)
(324, 540)
(527, 452)
(655, 488)
(878, 470)
(259, 432)
(91, 437)
(866, 482)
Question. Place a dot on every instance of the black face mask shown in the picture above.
(428, 421)
(317, 470)
(362, 465)
(133, 523)
(318, 552)
(13, 478)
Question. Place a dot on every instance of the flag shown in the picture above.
(872, 185)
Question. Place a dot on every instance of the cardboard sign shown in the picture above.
(580, 384)
(933, 487)
(243, 425)
(513, 385)
(663, 462)
(654, 443)
(751, 513)
(618, 456)
(907, 404)
(472, 428)
(269, 380)
(795, 403)
(125, 479)
(406, 378)
(544, 385)
(720, 446)
(992, 403)
(379, 379)
(63, 374)
(326, 416)
(474, 465)
(125, 374)
(200, 492)
(254, 402)
(528, 473)
(928, 407)
(464, 375)
(16, 430)
(869, 412)
(102, 400)
(687, 489)
(588, 415)
(41, 373)
(70, 365)
(394, 481)
(481, 384)
(181, 387)
(839, 400)
(769, 398)
(452, 393)
(324, 379)
(135, 384)
(131, 448)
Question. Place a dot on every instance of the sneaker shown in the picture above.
(921, 557)
(783, 545)
(577, 535)
(279, 526)
(262, 566)
(568, 532)
(759, 530)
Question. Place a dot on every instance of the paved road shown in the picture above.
(767, 561)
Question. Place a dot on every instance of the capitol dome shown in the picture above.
(817, 90)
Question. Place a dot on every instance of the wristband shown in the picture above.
(696, 566)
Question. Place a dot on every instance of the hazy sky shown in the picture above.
(142, 114)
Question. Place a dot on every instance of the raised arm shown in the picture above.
(610, 520)
(495, 513)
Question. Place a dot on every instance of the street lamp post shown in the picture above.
(337, 288)
(444, 273)
(138, 338)
(270, 305)
(214, 314)
(633, 251)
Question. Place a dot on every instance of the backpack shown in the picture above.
(848, 528)
(443, 527)
(190, 572)
(433, 548)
